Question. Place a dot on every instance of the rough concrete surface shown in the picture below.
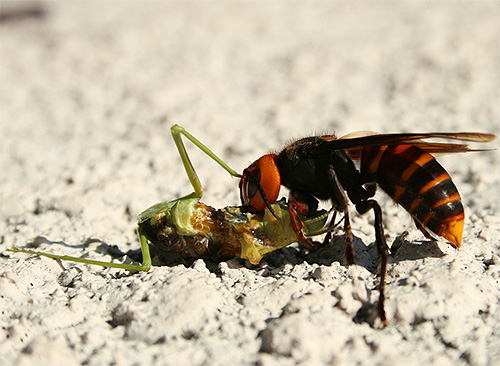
(88, 92)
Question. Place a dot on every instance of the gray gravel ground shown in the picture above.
(88, 92)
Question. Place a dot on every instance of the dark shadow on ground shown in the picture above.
(328, 253)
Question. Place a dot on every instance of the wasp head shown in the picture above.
(260, 184)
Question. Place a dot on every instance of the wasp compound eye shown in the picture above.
(247, 185)
(260, 184)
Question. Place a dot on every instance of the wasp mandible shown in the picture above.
(322, 168)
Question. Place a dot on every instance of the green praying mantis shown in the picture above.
(195, 230)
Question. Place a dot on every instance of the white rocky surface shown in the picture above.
(87, 95)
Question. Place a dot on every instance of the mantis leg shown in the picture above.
(176, 131)
(145, 266)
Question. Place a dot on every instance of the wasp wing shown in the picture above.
(353, 143)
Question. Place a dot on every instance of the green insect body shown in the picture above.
(196, 230)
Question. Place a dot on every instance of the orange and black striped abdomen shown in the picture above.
(415, 180)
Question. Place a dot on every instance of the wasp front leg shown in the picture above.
(307, 205)
(298, 226)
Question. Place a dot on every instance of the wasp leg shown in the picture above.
(298, 225)
(382, 249)
(339, 202)
(145, 266)
(328, 238)
(306, 205)
(348, 245)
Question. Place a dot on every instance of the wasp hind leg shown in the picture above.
(383, 251)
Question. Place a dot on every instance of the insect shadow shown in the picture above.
(161, 257)
(366, 254)
(102, 248)
(406, 250)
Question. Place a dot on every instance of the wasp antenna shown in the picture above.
(263, 195)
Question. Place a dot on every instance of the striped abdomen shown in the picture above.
(415, 180)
